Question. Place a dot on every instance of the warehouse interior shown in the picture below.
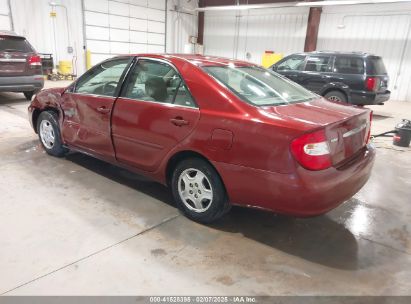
(79, 226)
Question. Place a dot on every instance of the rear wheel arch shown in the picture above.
(182, 155)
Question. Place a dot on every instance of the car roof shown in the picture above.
(197, 59)
(9, 33)
(335, 53)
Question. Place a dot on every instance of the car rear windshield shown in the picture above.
(375, 66)
(259, 86)
(14, 44)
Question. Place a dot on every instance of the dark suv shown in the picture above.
(20, 66)
(356, 78)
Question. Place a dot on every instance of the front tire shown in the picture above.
(199, 191)
(49, 134)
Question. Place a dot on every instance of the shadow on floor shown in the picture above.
(319, 240)
(124, 177)
(378, 117)
(12, 98)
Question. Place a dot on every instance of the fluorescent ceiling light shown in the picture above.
(294, 4)
(346, 2)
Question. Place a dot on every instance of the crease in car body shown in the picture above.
(218, 132)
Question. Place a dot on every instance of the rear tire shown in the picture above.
(28, 95)
(49, 134)
(199, 191)
(336, 96)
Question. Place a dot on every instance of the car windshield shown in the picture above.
(14, 44)
(259, 86)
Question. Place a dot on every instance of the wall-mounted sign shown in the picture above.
(53, 14)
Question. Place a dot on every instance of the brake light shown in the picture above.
(371, 83)
(312, 151)
(34, 61)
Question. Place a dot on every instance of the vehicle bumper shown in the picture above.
(369, 98)
(21, 83)
(303, 193)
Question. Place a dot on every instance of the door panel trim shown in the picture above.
(139, 142)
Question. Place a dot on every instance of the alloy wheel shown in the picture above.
(195, 190)
(47, 134)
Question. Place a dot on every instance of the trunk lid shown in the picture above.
(346, 127)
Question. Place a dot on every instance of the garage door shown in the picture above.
(114, 27)
(5, 23)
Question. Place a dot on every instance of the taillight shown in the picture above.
(371, 83)
(369, 130)
(34, 61)
(312, 151)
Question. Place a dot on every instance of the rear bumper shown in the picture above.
(369, 98)
(21, 83)
(303, 193)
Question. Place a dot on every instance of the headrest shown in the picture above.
(156, 88)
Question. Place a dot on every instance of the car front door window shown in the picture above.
(294, 63)
(103, 79)
(318, 64)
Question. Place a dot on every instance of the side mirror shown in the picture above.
(274, 67)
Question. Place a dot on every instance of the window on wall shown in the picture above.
(159, 82)
(318, 64)
(102, 79)
(349, 65)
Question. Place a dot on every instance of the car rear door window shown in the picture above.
(348, 65)
(14, 44)
(318, 64)
(293, 63)
(157, 81)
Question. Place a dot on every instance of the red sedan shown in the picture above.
(219, 132)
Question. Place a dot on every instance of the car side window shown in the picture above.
(157, 81)
(318, 64)
(103, 78)
(348, 65)
(294, 63)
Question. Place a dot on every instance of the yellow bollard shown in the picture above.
(88, 59)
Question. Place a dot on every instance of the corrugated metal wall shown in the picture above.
(124, 26)
(378, 29)
(5, 22)
(181, 25)
(236, 33)
(125, 34)
(50, 34)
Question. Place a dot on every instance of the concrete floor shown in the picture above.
(78, 226)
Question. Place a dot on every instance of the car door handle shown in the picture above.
(179, 121)
(103, 110)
